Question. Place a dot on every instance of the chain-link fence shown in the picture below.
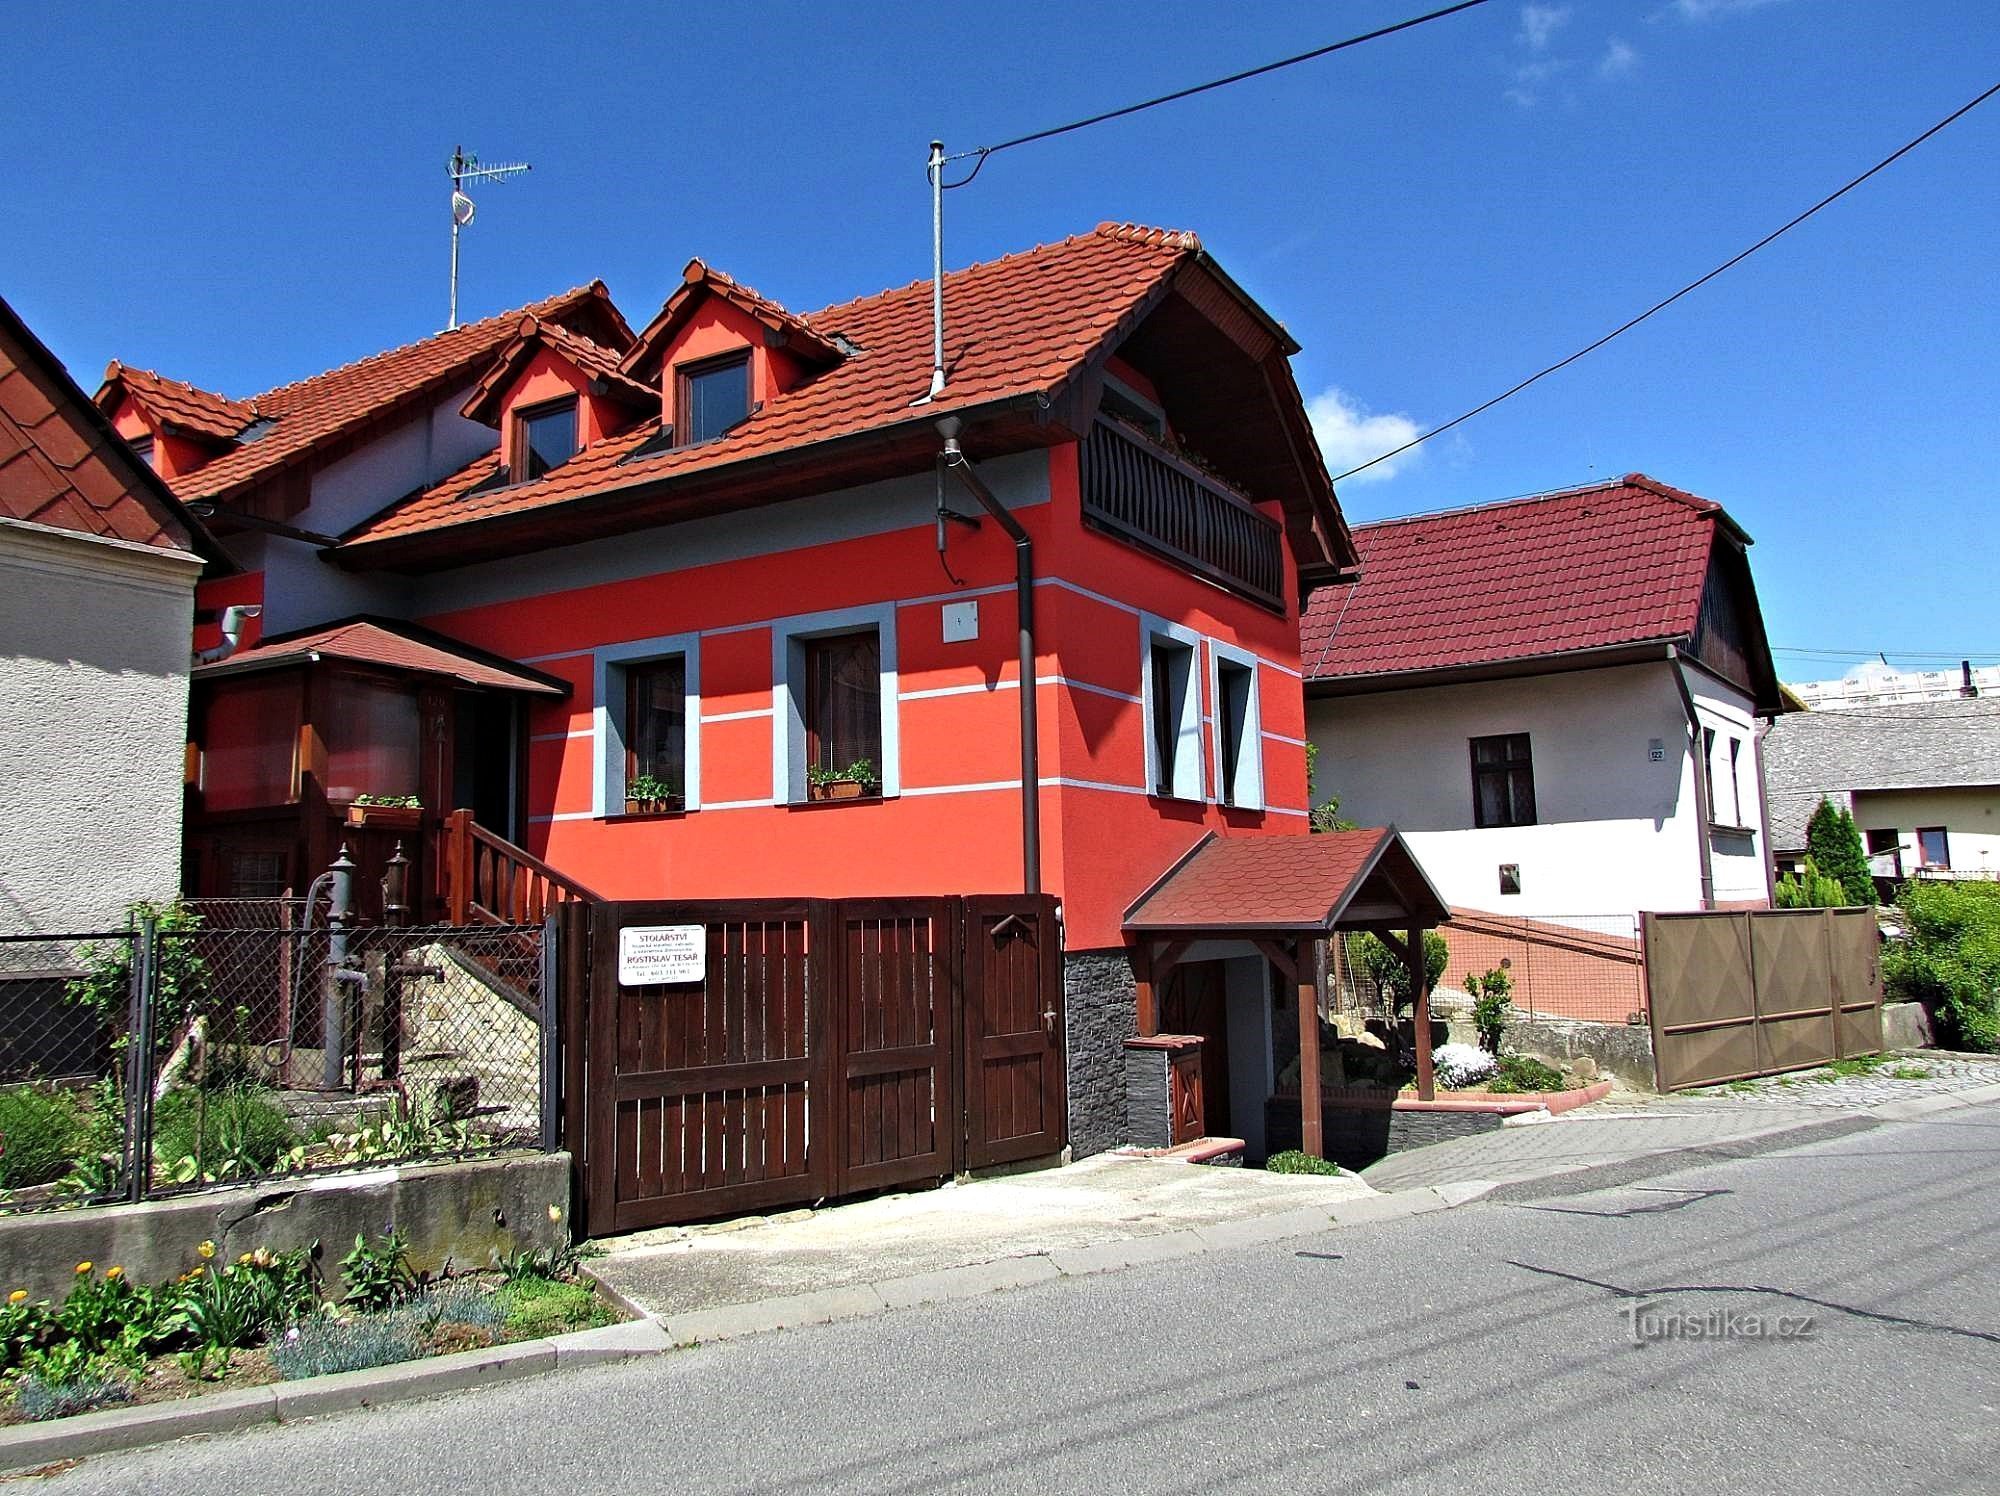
(234, 1040)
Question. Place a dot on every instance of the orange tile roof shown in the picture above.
(1276, 883)
(174, 402)
(398, 646)
(592, 357)
(311, 412)
(61, 464)
(699, 279)
(1014, 327)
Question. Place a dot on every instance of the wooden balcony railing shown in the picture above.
(1144, 494)
(487, 880)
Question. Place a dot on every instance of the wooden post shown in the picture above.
(456, 864)
(1149, 1000)
(1312, 1130)
(1420, 1009)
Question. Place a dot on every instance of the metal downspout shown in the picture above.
(1700, 778)
(1024, 604)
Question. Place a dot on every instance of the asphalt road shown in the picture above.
(1480, 1350)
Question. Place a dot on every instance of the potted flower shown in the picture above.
(650, 795)
(851, 783)
(386, 812)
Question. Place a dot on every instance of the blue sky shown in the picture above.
(240, 198)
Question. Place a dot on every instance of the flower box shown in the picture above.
(837, 789)
(386, 817)
(665, 805)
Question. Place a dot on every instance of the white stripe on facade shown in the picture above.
(744, 716)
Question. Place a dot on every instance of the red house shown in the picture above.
(729, 608)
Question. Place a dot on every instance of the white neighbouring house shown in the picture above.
(1556, 699)
(98, 564)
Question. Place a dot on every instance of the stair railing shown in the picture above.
(487, 880)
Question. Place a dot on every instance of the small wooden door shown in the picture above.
(1197, 1002)
(1016, 1104)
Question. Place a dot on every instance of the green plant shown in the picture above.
(1809, 888)
(1323, 815)
(546, 1306)
(228, 1308)
(1520, 1072)
(390, 802)
(1492, 1006)
(1833, 844)
(180, 977)
(42, 1129)
(650, 787)
(44, 1395)
(1390, 972)
(1292, 1161)
(321, 1344)
(861, 771)
(1950, 960)
(379, 1276)
(222, 1134)
(1909, 1072)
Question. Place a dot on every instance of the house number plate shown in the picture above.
(649, 955)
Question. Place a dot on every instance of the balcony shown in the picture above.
(1146, 496)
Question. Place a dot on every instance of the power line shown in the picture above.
(984, 151)
(1660, 306)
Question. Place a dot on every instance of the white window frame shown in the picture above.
(607, 789)
(1249, 752)
(1190, 774)
(789, 785)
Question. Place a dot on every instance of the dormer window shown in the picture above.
(544, 438)
(714, 396)
(142, 448)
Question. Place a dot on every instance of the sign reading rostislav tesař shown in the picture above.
(649, 955)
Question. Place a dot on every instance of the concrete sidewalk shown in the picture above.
(1109, 1206)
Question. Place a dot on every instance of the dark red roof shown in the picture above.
(313, 412)
(698, 280)
(586, 354)
(176, 403)
(1614, 563)
(1284, 883)
(395, 646)
(61, 464)
(1014, 327)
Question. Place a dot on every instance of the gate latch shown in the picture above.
(1049, 1021)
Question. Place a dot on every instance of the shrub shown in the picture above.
(1809, 888)
(321, 1344)
(1520, 1072)
(1492, 1006)
(227, 1132)
(1950, 961)
(544, 1306)
(1390, 972)
(378, 1277)
(462, 1302)
(1834, 844)
(180, 982)
(1461, 1065)
(41, 1398)
(1292, 1161)
(42, 1129)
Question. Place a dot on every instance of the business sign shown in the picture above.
(649, 955)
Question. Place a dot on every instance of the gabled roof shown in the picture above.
(175, 404)
(1590, 569)
(1908, 745)
(700, 281)
(311, 415)
(1022, 335)
(391, 644)
(62, 465)
(534, 334)
(1289, 884)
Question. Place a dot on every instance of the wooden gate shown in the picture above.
(817, 1048)
(1754, 992)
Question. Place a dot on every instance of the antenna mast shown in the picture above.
(464, 167)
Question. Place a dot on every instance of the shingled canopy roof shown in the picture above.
(1290, 885)
(391, 645)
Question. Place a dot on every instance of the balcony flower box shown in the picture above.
(379, 816)
(836, 789)
(658, 805)
(857, 780)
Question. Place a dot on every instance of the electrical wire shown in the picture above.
(1694, 285)
(985, 151)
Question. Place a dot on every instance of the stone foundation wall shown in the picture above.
(1101, 1008)
(1148, 1098)
(1623, 1050)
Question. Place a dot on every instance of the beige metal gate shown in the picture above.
(1752, 992)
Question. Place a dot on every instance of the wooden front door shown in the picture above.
(1016, 1103)
(1197, 1002)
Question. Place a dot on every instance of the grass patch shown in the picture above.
(234, 1130)
(40, 1399)
(1909, 1072)
(1292, 1161)
(538, 1306)
(42, 1129)
(1860, 1064)
(1519, 1072)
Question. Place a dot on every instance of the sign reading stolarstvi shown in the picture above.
(652, 954)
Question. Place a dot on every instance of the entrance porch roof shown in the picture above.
(1292, 885)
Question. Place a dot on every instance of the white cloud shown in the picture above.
(1540, 22)
(1702, 10)
(1529, 78)
(1349, 433)
(1619, 59)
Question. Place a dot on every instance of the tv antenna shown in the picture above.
(464, 167)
